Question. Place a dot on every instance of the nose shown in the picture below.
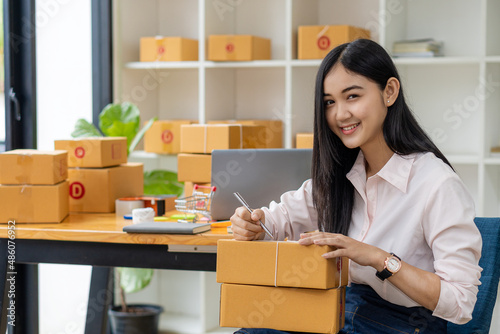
(342, 113)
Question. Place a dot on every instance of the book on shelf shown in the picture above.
(417, 48)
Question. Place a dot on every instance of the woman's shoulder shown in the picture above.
(431, 169)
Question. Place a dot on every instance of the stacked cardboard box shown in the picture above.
(33, 186)
(238, 48)
(314, 42)
(271, 135)
(281, 285)
(194, 164)
(164, 136)
(99, 173)
(161, 48)
(304, 140)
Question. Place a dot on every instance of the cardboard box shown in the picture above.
(164, 137)
(168, 49)
(96, 189)
(203, 138)
(189, 186)
(33, 167)
(285, 309)
(273, 136)
(305, 140)
(282, 263)
(238, 48)
(94, 152)
(195, 168)
(34, 203)
(314, 42)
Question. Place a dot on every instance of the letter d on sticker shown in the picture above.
(76, 190)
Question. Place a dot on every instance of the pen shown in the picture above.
(242, 201)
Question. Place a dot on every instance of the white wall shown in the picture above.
(64, 94)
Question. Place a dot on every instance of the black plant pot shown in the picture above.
(145, 321)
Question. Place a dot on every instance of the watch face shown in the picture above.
(393, 264)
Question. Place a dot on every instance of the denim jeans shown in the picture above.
(367, 313)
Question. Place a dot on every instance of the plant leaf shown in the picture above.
(134, 279)
(120, 120)
(140, 134)
(85, 129)
(162, 182)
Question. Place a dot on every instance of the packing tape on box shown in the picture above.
(26, 211)
(143, 215)
(339, 266)
(25, 165)
(322, 32)
(206, 136)
(125, 206)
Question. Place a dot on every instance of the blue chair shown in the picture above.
(490, 262)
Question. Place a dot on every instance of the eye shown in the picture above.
(352, 96)
(328, 102)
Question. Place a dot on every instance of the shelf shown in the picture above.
(462, 159)
(244, 64)
(306, 62)
(160, 65)
(437, 61)
(492, 161)
(493, 59)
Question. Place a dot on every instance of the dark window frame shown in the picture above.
(20, 74)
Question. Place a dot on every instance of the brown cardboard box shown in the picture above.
(314, 42)
(164, 136)
(305, 140)
(286, 309)
(94, 152)
(203, 138)
(189, 187)
(273, 136)
(34, 203)
(238, 48)
(33, 167)
(254, 262)
(195, 168)
(168, 49)
(96, 189)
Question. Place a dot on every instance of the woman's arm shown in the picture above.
(420, 285)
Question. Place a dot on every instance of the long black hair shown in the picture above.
(333, 193)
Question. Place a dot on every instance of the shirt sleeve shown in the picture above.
(295, 214)
(456, 243)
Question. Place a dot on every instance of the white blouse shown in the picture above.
(415, 207)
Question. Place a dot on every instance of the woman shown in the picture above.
(386, 197)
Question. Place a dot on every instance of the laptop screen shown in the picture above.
(259, 175)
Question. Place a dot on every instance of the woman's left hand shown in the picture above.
(359, 252)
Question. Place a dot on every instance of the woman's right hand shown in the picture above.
(246, 226)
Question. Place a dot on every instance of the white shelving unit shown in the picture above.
(455, 97)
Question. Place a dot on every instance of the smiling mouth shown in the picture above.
(351, 127)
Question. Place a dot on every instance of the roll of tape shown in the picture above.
(145, 215)
(125, 207)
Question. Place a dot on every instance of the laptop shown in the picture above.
(259, 175)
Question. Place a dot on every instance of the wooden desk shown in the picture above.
(89, 239)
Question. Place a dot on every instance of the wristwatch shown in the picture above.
(392, 266)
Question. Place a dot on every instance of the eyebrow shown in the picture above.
(345, 90)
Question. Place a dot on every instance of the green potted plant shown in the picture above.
(123, 120)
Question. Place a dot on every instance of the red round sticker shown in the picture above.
(229, 47)
(323, 42)
(79, 152)
(76, 190)
(167, 136)
(161, 50)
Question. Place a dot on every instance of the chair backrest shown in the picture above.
(487, 294)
